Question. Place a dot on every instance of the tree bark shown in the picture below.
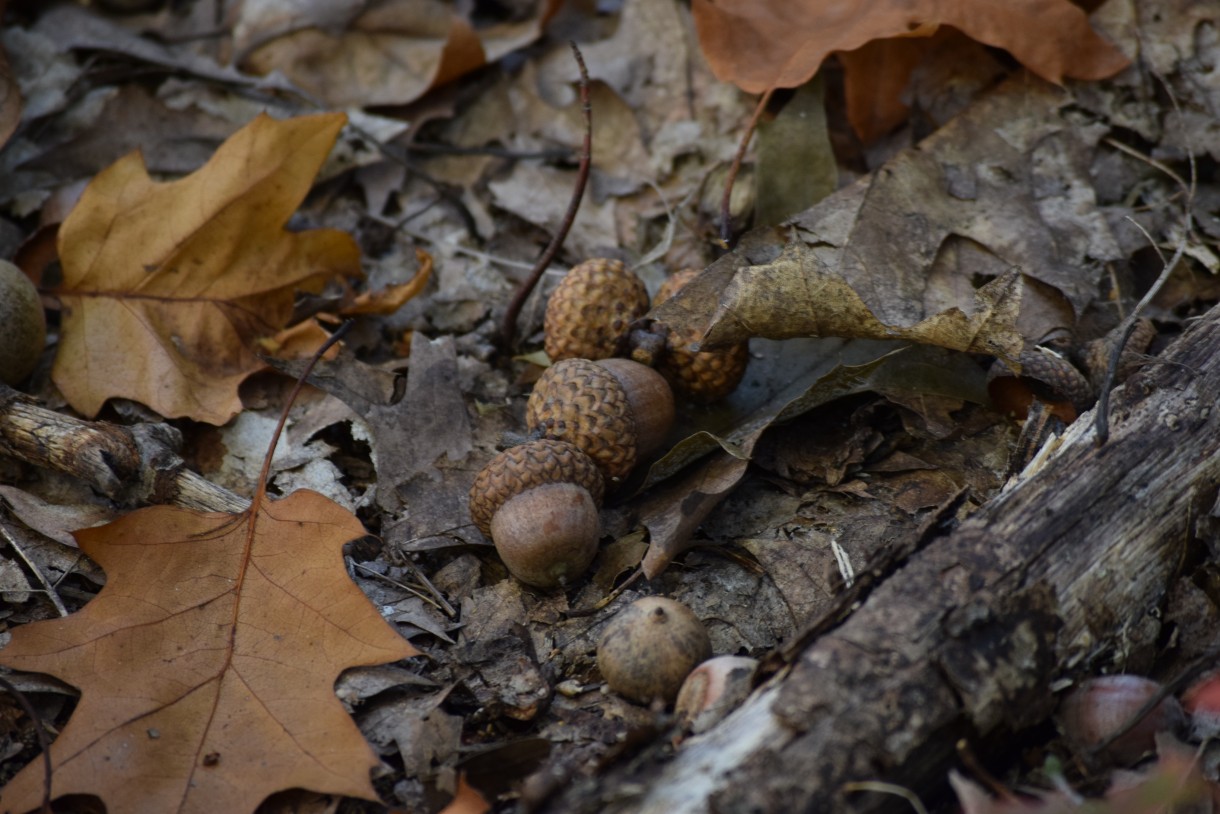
(1061, 575)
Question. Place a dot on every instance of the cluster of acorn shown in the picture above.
(591, 417)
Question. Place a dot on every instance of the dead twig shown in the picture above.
(1102, 418)
(40, 733)
(60, 607)
(508, 329)
(726, 216)
(130, 465)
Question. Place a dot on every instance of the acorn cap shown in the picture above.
(705, 375)
(583, 403)
(531, 464)
(591, 309)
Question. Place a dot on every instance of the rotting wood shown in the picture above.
(1061, 575)
(131, 465)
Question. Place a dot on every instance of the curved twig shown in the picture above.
(508, 329)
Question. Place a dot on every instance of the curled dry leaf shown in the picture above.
(207, 663)
(986, 236)
(779, 43)
(167, 285)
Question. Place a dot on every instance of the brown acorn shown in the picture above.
(614, 410)
(23, 327)
(538, 502)
(1098, 708)
(706, 375)
(650, 647)
(591, 309)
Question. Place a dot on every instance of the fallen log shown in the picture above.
(1061, 575)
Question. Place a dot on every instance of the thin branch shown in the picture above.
(1102, 417)
(726, 215)
(40, 733)
(60, 608)
(260, 492)
(508, 329)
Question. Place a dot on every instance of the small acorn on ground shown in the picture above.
(23, 326)
(713, 690)
(706, 375)
(538, 502)
(1099, 707)
(614, 410)
(591, 309)
(650, 647)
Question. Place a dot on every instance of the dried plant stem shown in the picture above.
(40, 732)
(260, 492)
(1102, 419)
(508, 329)
(726, 215)
(888, 788)
(52, 594)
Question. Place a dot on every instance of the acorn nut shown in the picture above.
(650, 647)
(23, 326)
(591, 309)
(713, 690)
(614, 410)
(538, 502)
(703, 376)
(1100, 707)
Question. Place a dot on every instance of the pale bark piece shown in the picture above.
(1055, 577)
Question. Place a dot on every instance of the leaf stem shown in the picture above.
(260, 492)
(508, 329)
(726, 215)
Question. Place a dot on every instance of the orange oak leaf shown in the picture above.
(207, 663)
(762, 44)
(166, 286)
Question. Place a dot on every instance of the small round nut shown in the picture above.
(650, 647)
(605, 408)
(23, 326)
(522, 467)
(547, 536)
(713, 690)
(1099, 707)
(706, 375)
(591, 309)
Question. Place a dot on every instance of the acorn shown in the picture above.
(713, 690)
(538, 503)
(591, 309)
(23, 325)
(703, 376)
(650, 647)
(1099, 707)
(614, 410)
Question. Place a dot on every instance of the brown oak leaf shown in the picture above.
(166, 286)
(763, 44)
(207, 664)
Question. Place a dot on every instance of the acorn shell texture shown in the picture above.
(530, 464)
(650, 647)
(583, 403)
(591, 309)
(706, 375)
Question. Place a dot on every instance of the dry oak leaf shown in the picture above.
(166, 286)
(762, 44)
(207, 663)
